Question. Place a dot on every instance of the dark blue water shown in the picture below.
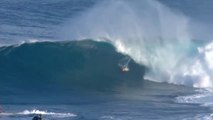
(64, 59)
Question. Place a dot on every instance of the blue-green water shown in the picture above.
(64, 59)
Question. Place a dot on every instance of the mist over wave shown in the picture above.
(152, 34)
(69, 59)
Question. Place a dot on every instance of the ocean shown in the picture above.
(106, 59)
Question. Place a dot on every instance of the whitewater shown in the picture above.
(64, 59)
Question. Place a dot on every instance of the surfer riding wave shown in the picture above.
(123, 64)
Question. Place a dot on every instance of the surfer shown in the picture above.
(125, 69)
(124, 63)
(37, 117)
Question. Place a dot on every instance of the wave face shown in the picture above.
(149, 32)
(65, 65)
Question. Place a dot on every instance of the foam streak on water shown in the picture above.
(152, 40)
(36, 112)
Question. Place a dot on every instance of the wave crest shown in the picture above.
(83, 64)
(149, 32)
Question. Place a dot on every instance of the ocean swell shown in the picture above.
(65, 65)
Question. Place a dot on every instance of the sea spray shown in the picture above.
(149, 32)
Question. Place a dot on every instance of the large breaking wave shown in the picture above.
(153, 35)
(65, 65)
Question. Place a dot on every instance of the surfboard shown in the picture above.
(123, 64)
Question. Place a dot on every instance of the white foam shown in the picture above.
(29, 41)
(207, 117)
(33, 41)
(203, 97)
(153, 35)
(148, 31)
(167, 64)
(33, 112)
(201, 117)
